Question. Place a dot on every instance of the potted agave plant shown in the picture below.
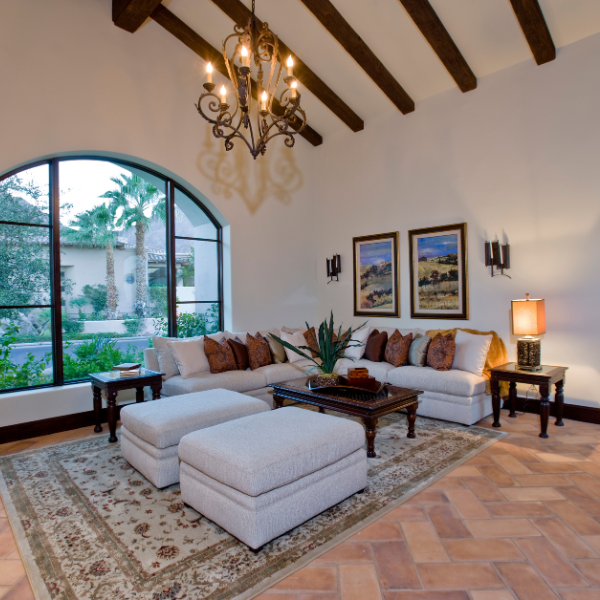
(328, 348)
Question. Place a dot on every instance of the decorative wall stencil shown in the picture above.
(438, 272)
(376, 286)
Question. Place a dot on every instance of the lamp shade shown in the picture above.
(528, 317)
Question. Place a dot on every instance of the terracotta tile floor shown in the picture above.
(520, 520)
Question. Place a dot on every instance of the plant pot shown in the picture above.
(327, 379)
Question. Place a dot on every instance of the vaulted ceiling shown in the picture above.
(357, 60)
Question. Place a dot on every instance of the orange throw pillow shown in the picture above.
(396, 351)
(220, 355)
(311, 341)
(259, 351)
(441, 352)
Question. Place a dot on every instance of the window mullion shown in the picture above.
(171, 261)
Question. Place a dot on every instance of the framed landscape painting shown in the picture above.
(438, 272)
(376, 275)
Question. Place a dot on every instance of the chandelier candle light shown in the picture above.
(275, 112)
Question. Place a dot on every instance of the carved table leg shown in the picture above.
(139, 394)
(412, 417)
(112, 416)
(278, 401)
(512, 399)
(97, 408)
(559, 401)
(156, 388)
(496, 402)
(371, 426)
(544, 409)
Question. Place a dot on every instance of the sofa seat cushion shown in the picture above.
(379, 370)
(263, 452)
(454, 382)
(237, 381)
(163, 423)
(282, 372)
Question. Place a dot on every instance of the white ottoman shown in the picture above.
(151, 431)
(261, 476)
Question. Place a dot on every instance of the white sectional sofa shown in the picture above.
(453, 395)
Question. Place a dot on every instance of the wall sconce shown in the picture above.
(497, 256)
(334, 268)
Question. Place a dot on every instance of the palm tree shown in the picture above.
(140, 201)
(95, 228)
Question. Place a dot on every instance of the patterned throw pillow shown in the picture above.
(311, 341)
(220, 355)
(376, 346)
(259, 353)
(396, 351)
(240, 353)
(441, 352)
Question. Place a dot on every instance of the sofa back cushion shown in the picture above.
(240, 353)
(220, 355)
(376, 344)
(396, 350)
(189, 356)
(417, 354)
(441, 352)
(259, 353)
(166, 362)
(471, 352)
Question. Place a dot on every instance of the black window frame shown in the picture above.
(53, 227)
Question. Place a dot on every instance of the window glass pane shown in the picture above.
(113, 252)
(24, 265)
(25, 348)
(197, 270)
(197, 319)
(191, 220)
(24, 197)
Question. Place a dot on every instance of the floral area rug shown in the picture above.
(89, 526)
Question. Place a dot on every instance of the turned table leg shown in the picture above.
(112, 416)
(278, 401)
(139, 394)
(411, 417)
(97, 408)
(371, 427)
(559, 402)
(156, 388)
(544, 409)
(512, 399)
(321, 410)
(496, 401)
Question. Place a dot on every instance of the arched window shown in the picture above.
(96, 257)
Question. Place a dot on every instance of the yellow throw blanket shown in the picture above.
(497, 354)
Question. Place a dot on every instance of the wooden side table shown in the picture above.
(543, 378)
(112, 383)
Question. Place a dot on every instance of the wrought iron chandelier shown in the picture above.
(274, 115)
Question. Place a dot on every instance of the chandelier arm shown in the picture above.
(216, 107)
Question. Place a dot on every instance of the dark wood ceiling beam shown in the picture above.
(240, 14)
(174, 25)
(340, 29)
(532, 22)
(131, 14)
(428, 22)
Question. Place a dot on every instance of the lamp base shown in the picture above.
(529, 352)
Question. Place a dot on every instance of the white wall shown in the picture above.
(516, 158)
(75, 83)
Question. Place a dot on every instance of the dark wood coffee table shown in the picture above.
(112, 383)
(357, 405)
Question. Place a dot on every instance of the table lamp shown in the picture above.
(528, 319)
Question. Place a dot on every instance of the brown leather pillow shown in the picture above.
(441, 352)
(396, 351)
(259, 352)
(311, 341)
(220, 355)
(240, 353)
(376, 346)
